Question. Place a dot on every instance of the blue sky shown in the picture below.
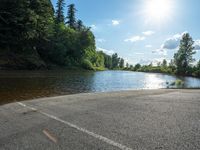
(141, 31)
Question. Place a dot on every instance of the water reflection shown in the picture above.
(20, 85)
(153, 81)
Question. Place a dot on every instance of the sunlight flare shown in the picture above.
(158, 10)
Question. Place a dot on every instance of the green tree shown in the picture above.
(159, 64)
(32, 36)
(108, 61)
(127, 65)
(131, 67)
(164, 63)
(137, 67)
(17, 21)
(60, 11)
(115, 61)
(80, 25)
(25, 21)
(198, 65)
(121, 63)
(183, 57)
(196, 71)
(71, 18)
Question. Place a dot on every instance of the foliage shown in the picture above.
(115, 61)
(86, 64)
(108, 61)
(60, 18)
(24, 23)
(121, 63)
(137, 67)
(71, 16)
(181, 64)
(32, 35)
(164, 63)
(183, 57)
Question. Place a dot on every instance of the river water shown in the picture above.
(24, 85)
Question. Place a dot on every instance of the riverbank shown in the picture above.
(166, 70)
(144, 119)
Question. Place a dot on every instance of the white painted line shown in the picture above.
(97, 136)
(31, 108)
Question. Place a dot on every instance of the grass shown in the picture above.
(177, 83)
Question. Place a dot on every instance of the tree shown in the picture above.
(164, 63)
(71, 16)
(79, 25)
(60, 11)
(198, 65)
(25, 23)
(127, 65)
(32, 36)
(108, 61)
(16, 22)
(131, 67)
(183, 57)
(137, 67)
(121, 63)
(150, 65)
(115, 61)
(171, 63)
(159, 64)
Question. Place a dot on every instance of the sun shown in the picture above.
(158, 10)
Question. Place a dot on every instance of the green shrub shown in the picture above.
(179, 83)
(86, 64)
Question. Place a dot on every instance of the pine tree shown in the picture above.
(79, 25)
(127, 65)
(121, 63)
(164, 63)
(71, 16)
(115, 61)
(60, 11)
(183, 57)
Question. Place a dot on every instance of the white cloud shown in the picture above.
(101, 40)
(157, 60)
(148, 46)
(154, 61)
(139, 53)
(172, 42)
(109, 52)
(135, 39)
(160, 51)
(197, 45)
(93, 26)
(148, 33)
(145, 61)
(115, 22)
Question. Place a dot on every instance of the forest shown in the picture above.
(35, 36)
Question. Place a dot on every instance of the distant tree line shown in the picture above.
(114, 61)
(34, 36)
(181, 64)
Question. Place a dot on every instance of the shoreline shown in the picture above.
(110, 93)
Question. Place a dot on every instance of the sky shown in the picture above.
(140, 31)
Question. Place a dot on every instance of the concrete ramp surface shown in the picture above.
(128, 120)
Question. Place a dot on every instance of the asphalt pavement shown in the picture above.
(126, 120)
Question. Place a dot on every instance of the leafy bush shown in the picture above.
(86, 64)
(179, 83)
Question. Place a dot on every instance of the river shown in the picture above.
(23, 85)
